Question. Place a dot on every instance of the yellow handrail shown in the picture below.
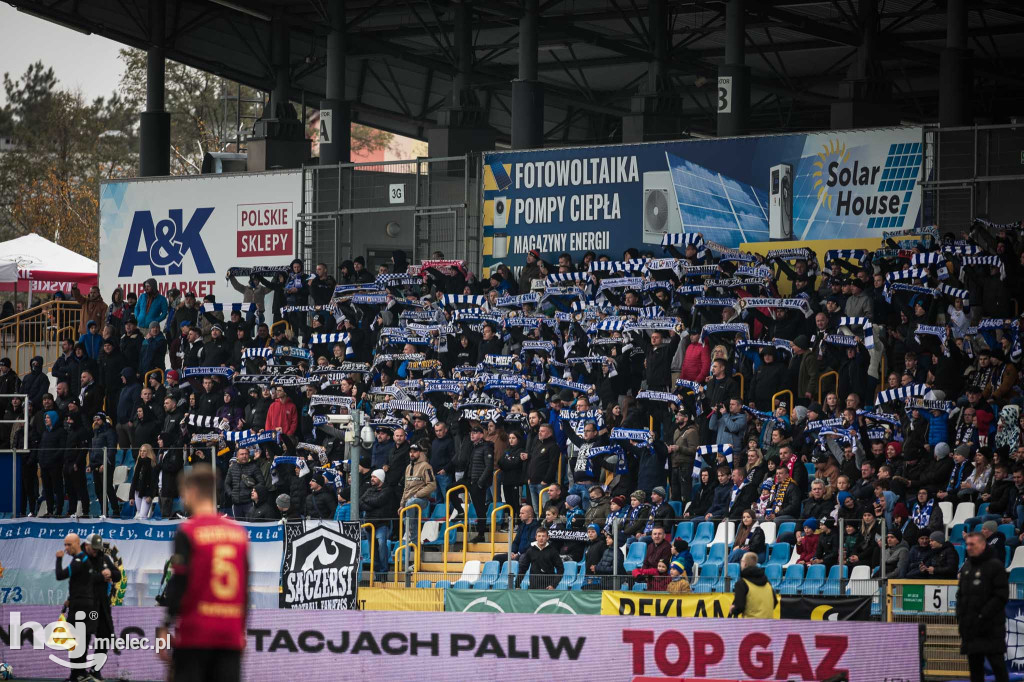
(743, 391)
(447, 501)
(17, 354)
(540, 498)
(494, 526)
(405, 547)
(494, 485)
(881, 374)
(465, 540)
(373, 546)
(286, 327)
(786, 391)
(145, 377)
(419, 526)
(559, 479)
(821, 379)
(70, 329)
(64, 315)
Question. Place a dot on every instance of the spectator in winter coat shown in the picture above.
(383, 446)
(729, 424)
(93, 309)
(153, 354)
(67, 367)
(282, 415)
(35, 384)
(696, 358)
(102, 459)
(243, 475)
(321, 502)
(980, 607)
(144, 483)
(263, 508)
(543, 563)
(897, 554)
(151, 306)
(91, 341)
(479, 469)
(682, 453)
(170, 462)
(943, 562)
(127, 397)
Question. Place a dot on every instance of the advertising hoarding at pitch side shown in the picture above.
(536, 646)
(827, 185)
(186, 232)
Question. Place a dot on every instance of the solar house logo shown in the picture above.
(851, 184)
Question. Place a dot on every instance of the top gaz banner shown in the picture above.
(830, 185)
(186, 232)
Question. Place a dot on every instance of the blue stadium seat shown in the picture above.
(786, 527)
(698, 551)
(570, 576)
(677, 508)
(831, 586)
(708, 578)
(779, 553)
(956, 533)
(794, 577)
(1007, 530)
(810, 469)
(525, 585)
(684, 530)
(462, 585)
(488, 576)
(424, 583)
(716, 555)
(443, 584)
(705, 533)
(774, 574)
(961, 552)
(732, 571)
(814, 579)
(635, 556)
(982, 509)
(639, 587)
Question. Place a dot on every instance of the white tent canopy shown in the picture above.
(47, 266)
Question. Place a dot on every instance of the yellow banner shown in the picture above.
(400, 599)
(619, 603)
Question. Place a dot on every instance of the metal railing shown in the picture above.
(790, 405)
(419, 526)
(821, 379)
(743, 392)
(373, 547)
(494, 521)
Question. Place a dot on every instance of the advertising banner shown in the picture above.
(523, 601)
(826, 608)
(828, 185)
(28, 546)
(321, 563)
(620, 603)
(1015, 636)
(401, 599)
(186, 232)
(454, 646)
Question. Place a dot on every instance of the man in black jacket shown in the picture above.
(321, 502)
(980, 609)
(479, 469)
(742, 493)
(542, 465)
(82, 582)
(658, 363)
(543, 562)
(321, 287)
(35, 384)
(943, 562)
(102, 564)
(131, 342)
(67, 367)
(442, 454)
(379, 504)
(817, 506)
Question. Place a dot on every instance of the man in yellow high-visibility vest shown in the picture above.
(754, 596)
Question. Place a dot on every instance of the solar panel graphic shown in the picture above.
(724, 210)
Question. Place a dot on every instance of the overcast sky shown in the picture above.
(88, 63)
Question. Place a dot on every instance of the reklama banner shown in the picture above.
(187, 232)
(828, 185)
(383, 645)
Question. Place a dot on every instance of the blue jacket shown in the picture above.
(157, 312)
(129, 396)
(729, 428)
(153, 353)
(720, 501)
(938, 428)
(525, 535)
(92, 342)
(380, 454)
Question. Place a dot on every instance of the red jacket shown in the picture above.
(283, 415)
(696, 363)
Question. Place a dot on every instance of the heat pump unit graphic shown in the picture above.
(501, 206)
(661, 212)
(780, 210)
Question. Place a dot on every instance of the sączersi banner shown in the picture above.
(447, 646)
(321, 564)
(827, 185)
(187, 232)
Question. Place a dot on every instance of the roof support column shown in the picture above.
(527, 91)
(955, 68)
(733, 99)
(655, 108)
(154, 122)
(866, 92)
(335, 111)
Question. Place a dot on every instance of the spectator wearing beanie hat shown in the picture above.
(897, 554)
(679, 584)
(635, 520)
(807, 541)
(379, 503)
(943, 562)
(994, 538)
(617, 510)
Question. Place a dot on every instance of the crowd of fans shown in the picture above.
(842, 397)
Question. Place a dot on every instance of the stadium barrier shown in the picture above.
(930, 604)
(383, 645)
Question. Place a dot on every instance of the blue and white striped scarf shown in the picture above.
(710, 450)
(865, 323)
(901, 393)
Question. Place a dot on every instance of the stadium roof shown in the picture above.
(593, 55)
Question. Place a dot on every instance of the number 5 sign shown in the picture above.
(939, 598)
(725, 94)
